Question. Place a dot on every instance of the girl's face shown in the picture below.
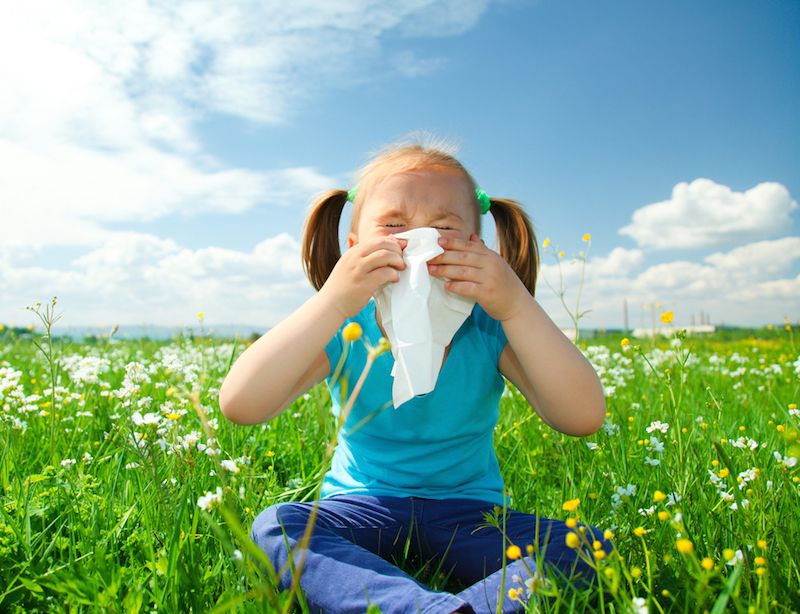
(439, 198)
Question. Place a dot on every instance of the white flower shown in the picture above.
(655, 445)
(673, 498)
(610, 428)
(237, 555)
(639, 606)
(87, 458)
(653, 462)
(149, 418)
(132, 465)
(229, 465)
(738, 557)
(68, 462)
(649, 511)
(789, 461)
(591, 445)
(209, 500)
(658, 426)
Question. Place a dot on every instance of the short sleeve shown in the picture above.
(491, 332)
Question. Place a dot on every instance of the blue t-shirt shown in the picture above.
(438, 445)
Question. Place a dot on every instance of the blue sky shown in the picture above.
(158, 161)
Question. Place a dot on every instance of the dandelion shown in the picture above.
(587, 237)
(514, 594)
(572, 540)
(659, 496)
(571, 505)
(625, 343)
(684, 546)
(201, 315)
(352, 332)
(707, 563)
(760, 560)
(639, 531)
(546, 243)
(667, 317)
(636, 572)
(513, 552)
(762, 543)
(599, 554)
(571, 523)
(608, 534)
(560, 254)
(663, 515)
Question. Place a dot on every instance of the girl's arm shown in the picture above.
(551, 372)
(290, 358)
(545, 366)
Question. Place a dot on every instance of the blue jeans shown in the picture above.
(346, 566)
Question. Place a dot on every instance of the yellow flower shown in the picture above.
(546, 243)
(571, 523)
(792, 405)
(639, 531)
(762, 543)
(707, 564)
(667, 317)
(636, 572)
(513, 594)
(513, 552)
(608, 534)
(572, 540)
(571, 505)
(728, 554)
(529, 549)
(625, 342)
(760, 571)
(201, 315)
(587, 237)
(597, 544)
(599, 554)
(760, 560)
(724, 472)
(560, 254)
(659, 496)
(352, 332)
(663, 515)
(173, 416)
(684, 546)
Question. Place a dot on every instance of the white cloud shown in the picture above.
(751, 284)
(136, 278)
(706, 214)
(100, 101)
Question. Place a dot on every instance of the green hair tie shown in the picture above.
(483, 198)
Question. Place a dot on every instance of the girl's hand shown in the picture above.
(475, 271)
(361, 270)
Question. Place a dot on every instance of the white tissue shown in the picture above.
(419, 317)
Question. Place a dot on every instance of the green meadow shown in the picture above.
(124, 489)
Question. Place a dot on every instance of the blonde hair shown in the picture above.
(321, 252)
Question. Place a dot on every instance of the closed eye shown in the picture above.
(394, 225)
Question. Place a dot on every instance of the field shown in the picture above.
(124, 489)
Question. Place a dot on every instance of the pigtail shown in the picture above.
(320, 248)
(516, 240)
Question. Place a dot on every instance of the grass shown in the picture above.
(107, 447)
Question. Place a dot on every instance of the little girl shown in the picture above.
(423, 474)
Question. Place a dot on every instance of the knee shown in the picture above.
(277, 520)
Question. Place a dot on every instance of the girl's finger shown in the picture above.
(461, 244)
(455, 272)
(470, 289)
(458, 257)
(383, 257)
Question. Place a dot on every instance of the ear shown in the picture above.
(352, 239)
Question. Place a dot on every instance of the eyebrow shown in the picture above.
(437, 214)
